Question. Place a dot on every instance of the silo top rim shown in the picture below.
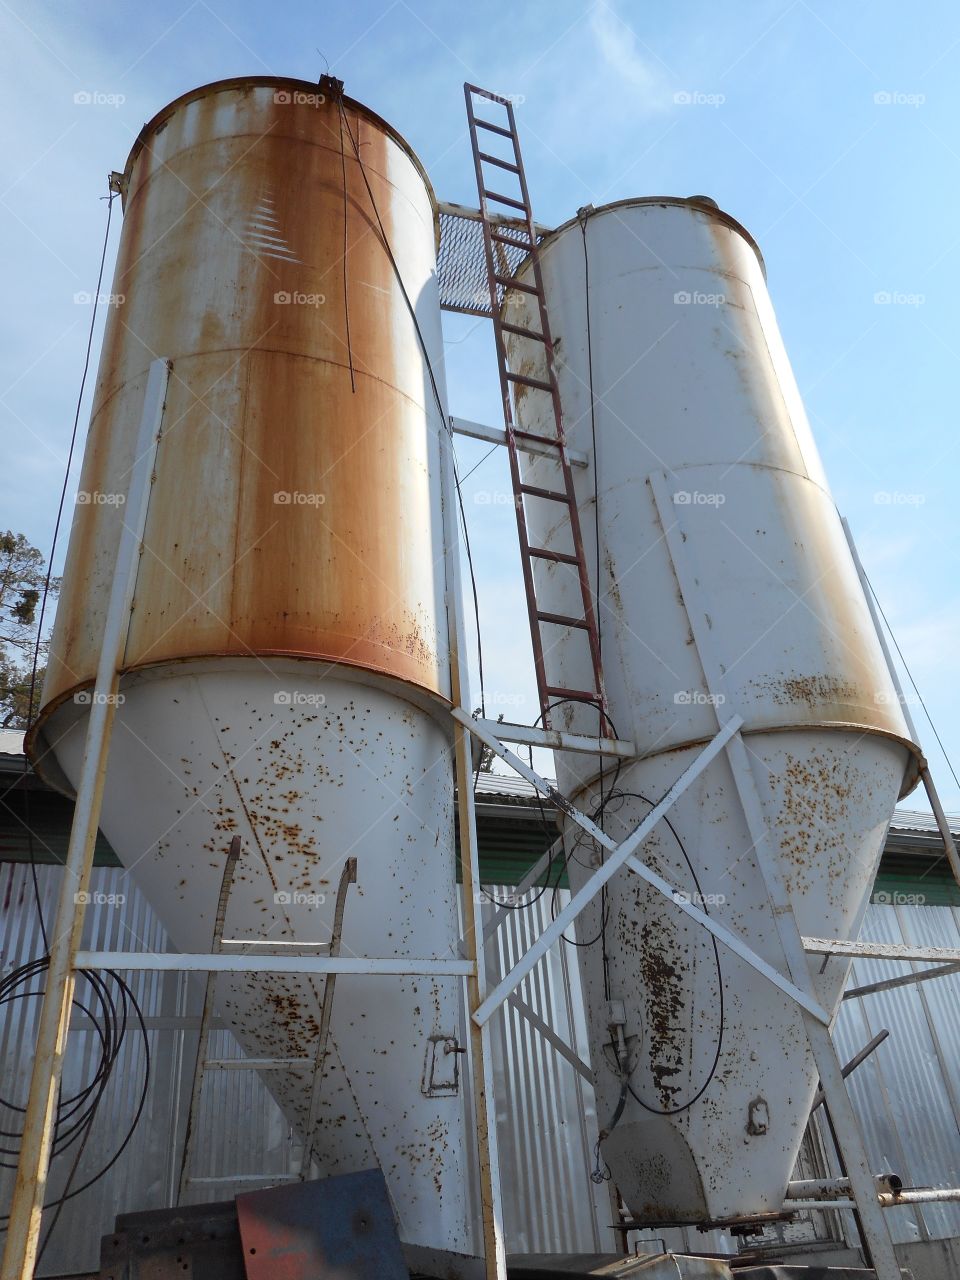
(278, 82)
(699, 203)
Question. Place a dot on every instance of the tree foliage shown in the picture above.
(22, 579)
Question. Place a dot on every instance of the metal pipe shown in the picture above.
(485, 1117)
(33, 1166)
(886, 1200)
(827, 1188)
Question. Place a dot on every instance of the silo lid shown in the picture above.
(275, 82)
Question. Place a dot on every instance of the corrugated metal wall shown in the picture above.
(906, 1095)
(546, 1125)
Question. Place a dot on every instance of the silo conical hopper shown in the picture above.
(286, 677)
(670, 363)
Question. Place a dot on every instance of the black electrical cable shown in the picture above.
(685, 1106)
(110, 1023)
(110, 197)
(346, 295)
(74, 1115)
(345, 123)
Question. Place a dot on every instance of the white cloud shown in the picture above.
(620, 51)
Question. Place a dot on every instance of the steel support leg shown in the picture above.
(23, 1231)
(694, 591)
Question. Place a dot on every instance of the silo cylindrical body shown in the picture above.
(286, 677)
(670, 364)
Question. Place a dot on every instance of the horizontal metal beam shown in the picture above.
(557, 740)
(497, 435)
(277, 947)
(501, 219)
(207, 963)
(878, 950)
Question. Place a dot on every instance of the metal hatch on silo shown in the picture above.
(287, 665)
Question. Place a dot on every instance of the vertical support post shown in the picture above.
(926, 777)
(480, 1050)
(694, 592)
(23, 1231)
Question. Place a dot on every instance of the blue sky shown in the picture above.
(828, 130)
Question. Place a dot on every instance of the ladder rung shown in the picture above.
(495, 195)
(537, 383)
(515, 244)
(511, 282)
(561, 620)
(532, 435)
(571, 695)
(552, 495)
(561, 557)
(504, 164)
(494, 128)
(523, 333)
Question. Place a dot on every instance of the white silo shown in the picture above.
(674, 381)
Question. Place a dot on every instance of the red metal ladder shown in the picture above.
(496, 233)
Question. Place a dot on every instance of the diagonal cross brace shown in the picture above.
(623, 854)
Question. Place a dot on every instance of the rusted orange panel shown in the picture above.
(291, 513)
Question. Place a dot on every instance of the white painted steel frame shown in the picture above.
(485, 1116)
(949, 844)
(694, 591)
(209, 962)
(26, 1210)
(593, 886)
